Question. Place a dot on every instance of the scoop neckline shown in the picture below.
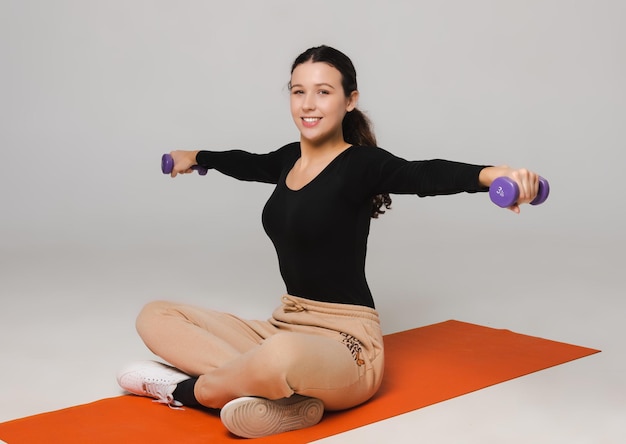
(321, 173)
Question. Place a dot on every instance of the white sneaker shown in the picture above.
(152, 379)
(250, 417)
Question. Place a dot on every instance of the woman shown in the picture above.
(322, 348)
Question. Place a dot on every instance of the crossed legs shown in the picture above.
(234, 358)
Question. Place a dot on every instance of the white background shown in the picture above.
(93, 92)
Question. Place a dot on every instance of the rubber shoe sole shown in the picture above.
(250, 417)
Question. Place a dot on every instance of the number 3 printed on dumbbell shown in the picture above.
(500, 191)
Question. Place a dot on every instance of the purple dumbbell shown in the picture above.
(504, 192)
(167, 165)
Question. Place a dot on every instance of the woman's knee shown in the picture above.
(150, 316)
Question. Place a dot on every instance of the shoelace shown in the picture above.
(162, 394)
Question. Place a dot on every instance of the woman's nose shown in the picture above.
(309, 102)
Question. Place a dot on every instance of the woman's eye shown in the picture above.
(297, 91)
(323, 92)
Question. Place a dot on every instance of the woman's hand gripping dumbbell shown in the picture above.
(504, 192)
(167, 165)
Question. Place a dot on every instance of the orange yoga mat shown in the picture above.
(423, 366)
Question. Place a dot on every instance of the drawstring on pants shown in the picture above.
(291, 305)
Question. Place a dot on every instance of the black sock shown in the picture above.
(183, 392)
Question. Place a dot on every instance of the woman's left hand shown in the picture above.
(527, 182)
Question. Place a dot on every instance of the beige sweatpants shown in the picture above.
(333, 352)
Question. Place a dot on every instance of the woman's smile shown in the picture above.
(310, 122)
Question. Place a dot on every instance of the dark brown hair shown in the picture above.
(357, 128)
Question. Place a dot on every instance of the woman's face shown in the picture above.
(319, 103)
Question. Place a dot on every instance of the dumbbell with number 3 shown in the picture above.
(504, 192)
(167, 165)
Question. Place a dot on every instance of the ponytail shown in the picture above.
(357, 130)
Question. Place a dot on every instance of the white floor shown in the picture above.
(67, 325)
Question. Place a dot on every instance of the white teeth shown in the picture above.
(310, 119)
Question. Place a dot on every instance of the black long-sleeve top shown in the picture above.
(320, 231)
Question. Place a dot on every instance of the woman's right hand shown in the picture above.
(184, 161)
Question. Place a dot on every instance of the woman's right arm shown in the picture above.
(239, 164)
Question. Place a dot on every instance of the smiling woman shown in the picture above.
(322, 348)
